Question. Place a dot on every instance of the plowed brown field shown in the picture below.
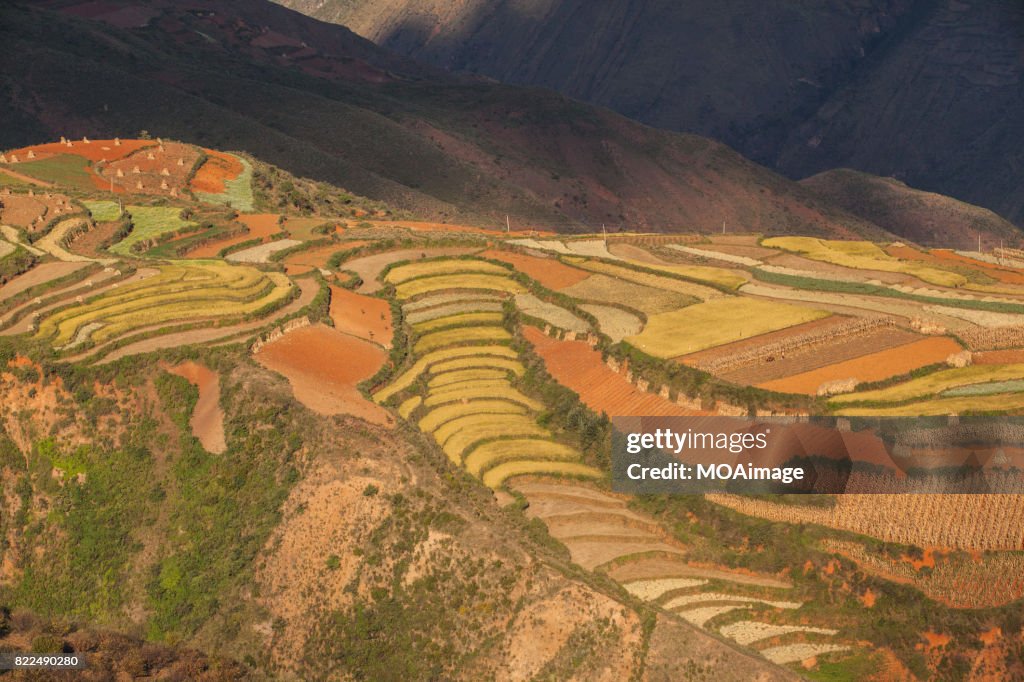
(579, 367)
(324, 367)
(207, 419)
(873, 367)
(999, 357)
(548, 271)
(362, 316)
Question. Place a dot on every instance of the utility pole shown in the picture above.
(508, 225)
(979, 242)
(723, 225)
(604, 233)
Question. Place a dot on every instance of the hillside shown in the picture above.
(320, 102)
(267, 429)
(922, 217)
(927, 91)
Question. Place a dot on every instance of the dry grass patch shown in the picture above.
(615, 323)
(606, 289)
(674, 284)
(935, 383)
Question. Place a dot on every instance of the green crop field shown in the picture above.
(103, 211)
(63, 169)
(150, 223)
(717, 322)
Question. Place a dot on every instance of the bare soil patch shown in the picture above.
(211, 175)
(579, 367)
(260, 226)
(323, 367)
(362, 316)
(207, 419)
(548, 271)
(38, 275)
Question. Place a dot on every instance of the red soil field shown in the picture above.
(872, 367)
(579, 367)
(211, 175)
(207, 419)
(302, 262)
(261, 226)
(176, 159)
(548, 271)
(323, 367)
(1003, 275)
(362, 316)
(910, 253)
(95, 150)
(999, 357)
(22, 210)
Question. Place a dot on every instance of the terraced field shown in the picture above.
(469, 402)
(171, 297)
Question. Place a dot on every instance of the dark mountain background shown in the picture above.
(929, 92)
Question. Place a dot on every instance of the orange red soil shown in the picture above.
(1003, 275)
(1012, 356)
(324, 367)
(260, 226)
(872, 367)
(362, 316)
(579, 367)
(548, 271)
(207, 419)
(215, 170)
(95, 150)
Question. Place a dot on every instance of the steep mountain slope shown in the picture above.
(321, 102)
(928, 91)
(923, 217)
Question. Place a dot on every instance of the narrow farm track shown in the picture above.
(576, 365)
(207, 420)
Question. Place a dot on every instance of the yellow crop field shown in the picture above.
(409, 376)
(458, 443)
(458, 376)
(451, 337)
(480, 391)
(461, 320)
(723, 277)
(407, 407)
(710, 324)
(177, 294)
(1006, 402)
(446, 413)
(484, 361)
(495, 477)
(496, 452)
(404, 273)
(935, 383)
(426, 285)
(862, 255)
(655, 281)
